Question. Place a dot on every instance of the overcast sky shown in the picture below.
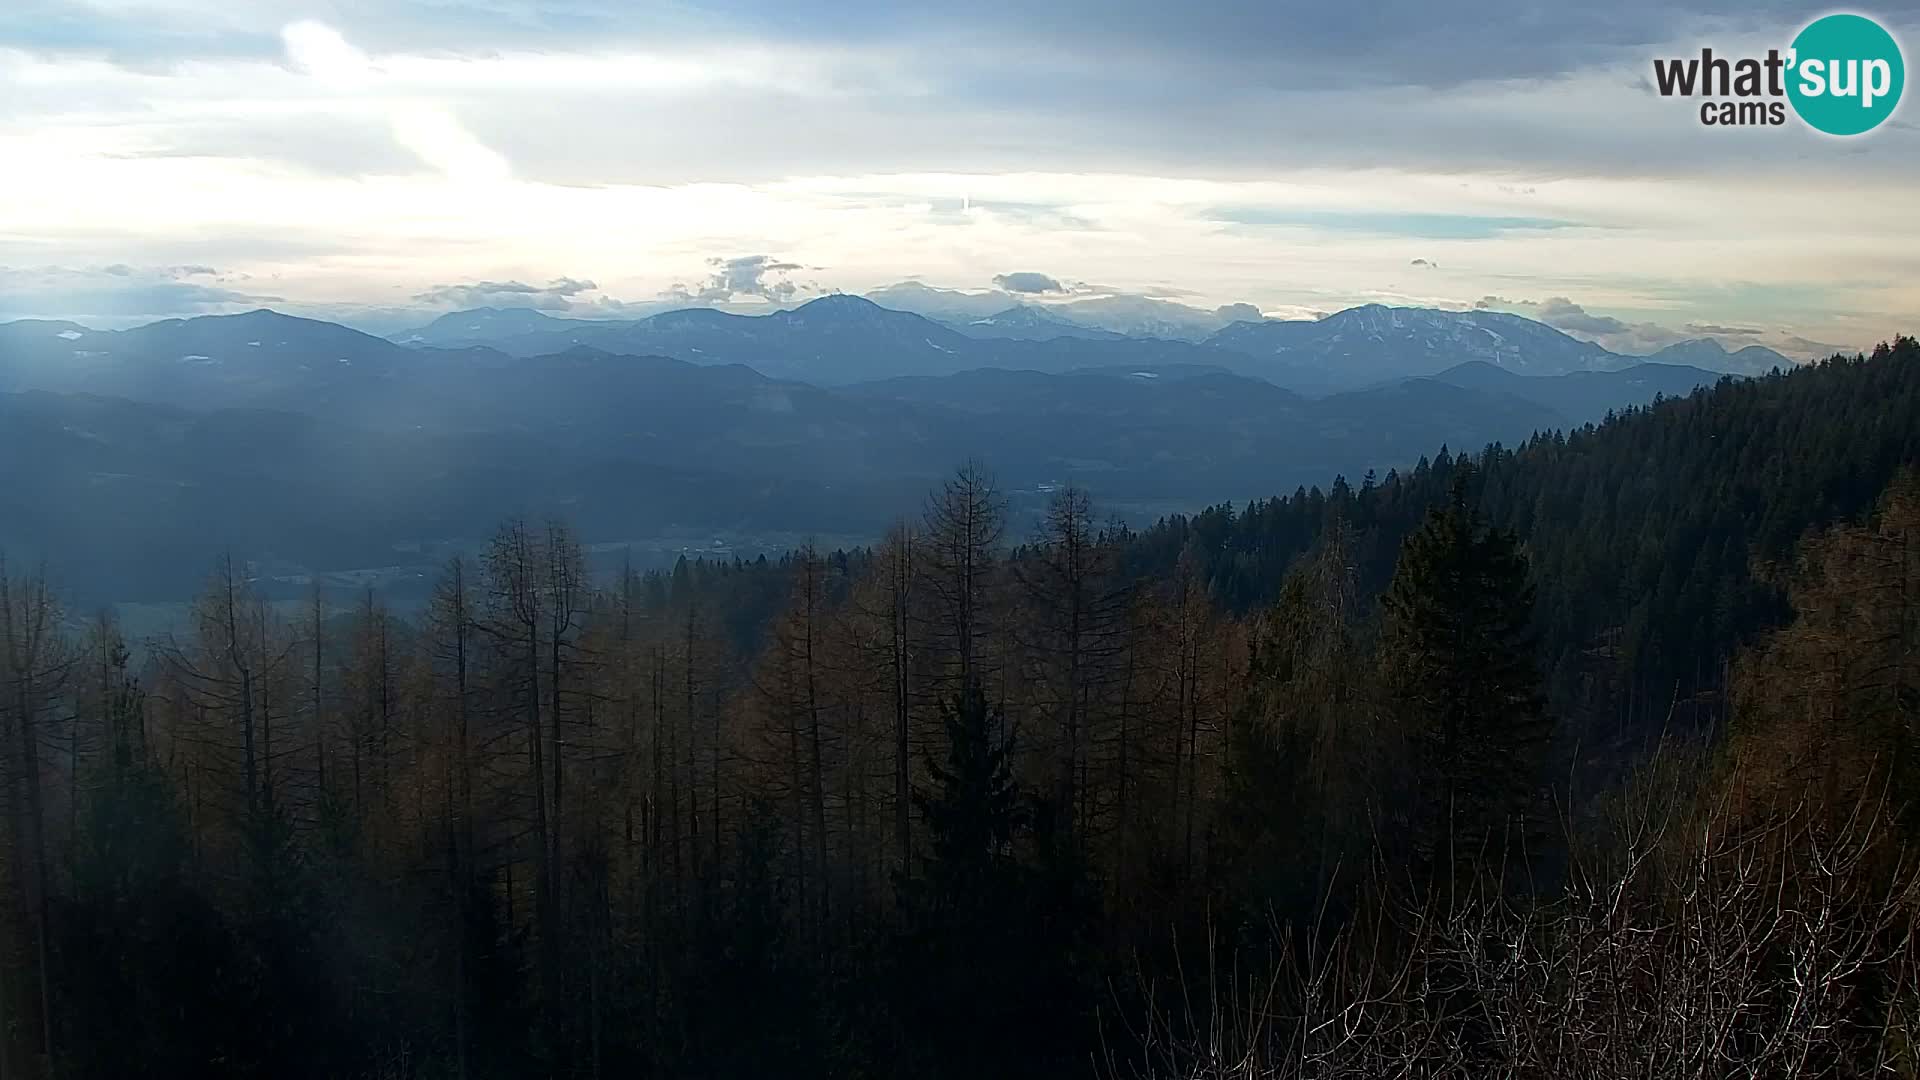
(373, 159)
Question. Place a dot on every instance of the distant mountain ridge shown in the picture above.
(1581, 397)
(1029, 323)
(840, 339)
(263, 359)
(1710, 354)
(1129, 315)
(480, 325)
(315, 442)
(1374, 341)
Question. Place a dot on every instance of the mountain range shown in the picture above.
(319, 446)
(1710, 354)
(842, 339)
(1122, 313)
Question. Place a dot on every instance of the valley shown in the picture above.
(313, 446)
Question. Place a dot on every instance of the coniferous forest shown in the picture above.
(1589, 757)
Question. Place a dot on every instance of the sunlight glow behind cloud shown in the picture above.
(429, 131)
(321, 52)
(395, 147)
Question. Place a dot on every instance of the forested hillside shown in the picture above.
(1649, 534)
(1357, 782)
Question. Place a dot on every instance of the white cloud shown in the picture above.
(320, 51)
(631, 160)
(441, 142)
(556, 295)
(427, 129)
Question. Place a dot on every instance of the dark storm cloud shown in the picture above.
(1029, 281)
(556, 295)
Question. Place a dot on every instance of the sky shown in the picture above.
(381, 161)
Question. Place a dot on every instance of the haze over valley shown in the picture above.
(311, 448)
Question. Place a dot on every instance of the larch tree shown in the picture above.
(453, 661)
(1071, 628)
(1826, 706)
(35, 665)
(965, 520)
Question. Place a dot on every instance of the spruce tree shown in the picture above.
(1459, 665)
(1295, 777)
(974, 807)
(987, 977)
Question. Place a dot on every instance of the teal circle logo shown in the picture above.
(1845, 74)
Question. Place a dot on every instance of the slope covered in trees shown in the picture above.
(972, 804)
(1644, 532)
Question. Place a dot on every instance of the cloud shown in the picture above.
(1029, 282)
(1641, 338)
(429, 130)
(1428, 263)
(172, 273)
(1564, 314)
(115, 294)
(1557, 312)
(1426, 225)
(1094, 144)
(1287, 43)
(1394, 84)
(439, 140)
(322, 52)
(556, 295)
(1239, 313)
(743, 275)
